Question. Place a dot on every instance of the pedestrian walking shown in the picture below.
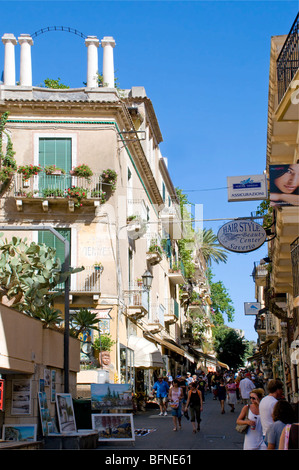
(201, 387)
(282, 414)
(194, 401)
(289, 439)
(221, 394)
(161, 389)
(250, 415)
(246, 385)
(275, 392)
(231, 389)
(175, 396)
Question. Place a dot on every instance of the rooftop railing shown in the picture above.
(288, 60)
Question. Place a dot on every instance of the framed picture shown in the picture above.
(47, 377)
(114, 427)
(48, 423)
(19, 432)
(53, 386)
(21, 397)
(65, 411)
(105, 397)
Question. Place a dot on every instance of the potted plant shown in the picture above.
(98, 194)
(54, 170)
(139, 281)
(82, 170)
(109, 177)
(155, 247)
(102, 346)
(53, 192)
(29, 170)
(98, 266)
(78, 193)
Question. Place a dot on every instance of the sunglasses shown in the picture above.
(252, 398)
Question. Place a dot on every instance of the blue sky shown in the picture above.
(204, 65)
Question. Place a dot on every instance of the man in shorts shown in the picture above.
(161, 388)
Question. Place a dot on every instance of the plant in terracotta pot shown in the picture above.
(54, 170)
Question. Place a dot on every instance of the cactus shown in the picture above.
(29, 274)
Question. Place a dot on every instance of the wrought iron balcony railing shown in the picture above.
(58, 186)
(288, 59)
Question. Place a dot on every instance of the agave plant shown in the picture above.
(50, 316)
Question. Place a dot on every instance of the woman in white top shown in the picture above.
(175, 396)
(254, 435)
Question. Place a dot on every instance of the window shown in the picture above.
(49, 239)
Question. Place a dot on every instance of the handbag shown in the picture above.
(174, 404)
(242, 428)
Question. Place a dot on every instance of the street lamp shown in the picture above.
(147, 279)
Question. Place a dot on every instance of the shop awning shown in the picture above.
(174, 348)
(146, 354)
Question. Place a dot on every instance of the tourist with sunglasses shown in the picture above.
(250, 415)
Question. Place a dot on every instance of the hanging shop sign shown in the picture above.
(241, 235)
(252, 308)
(247, 188)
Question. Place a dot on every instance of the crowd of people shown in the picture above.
(272, 422)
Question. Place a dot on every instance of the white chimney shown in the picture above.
(9, 41)
(25, 60)
(108, 43)
(92, 44)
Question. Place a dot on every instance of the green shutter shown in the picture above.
(49, 239)
(58, 152)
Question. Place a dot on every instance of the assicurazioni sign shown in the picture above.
(241, 236)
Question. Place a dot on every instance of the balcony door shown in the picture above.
(58, 152)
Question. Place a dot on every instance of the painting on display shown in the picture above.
(105, 397)
(48, 424)
(19, 432)
(53, 386)
(114, 427)
(21, 397)
(65, 412)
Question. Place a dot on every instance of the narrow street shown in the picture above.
(217, 431)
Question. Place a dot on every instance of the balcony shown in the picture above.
(172, 221)
(288, 60)
(67, 190)
(171, 311)
(259, 273)
(176, 273)
(136, 300)
(86, 282)
(156, 318)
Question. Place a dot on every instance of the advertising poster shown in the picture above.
(284, 185)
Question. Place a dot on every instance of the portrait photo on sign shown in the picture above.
(284, 184)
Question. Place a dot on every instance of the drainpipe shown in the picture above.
(9, 41)
(92, 44)
(25, 60)
(108, 44)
